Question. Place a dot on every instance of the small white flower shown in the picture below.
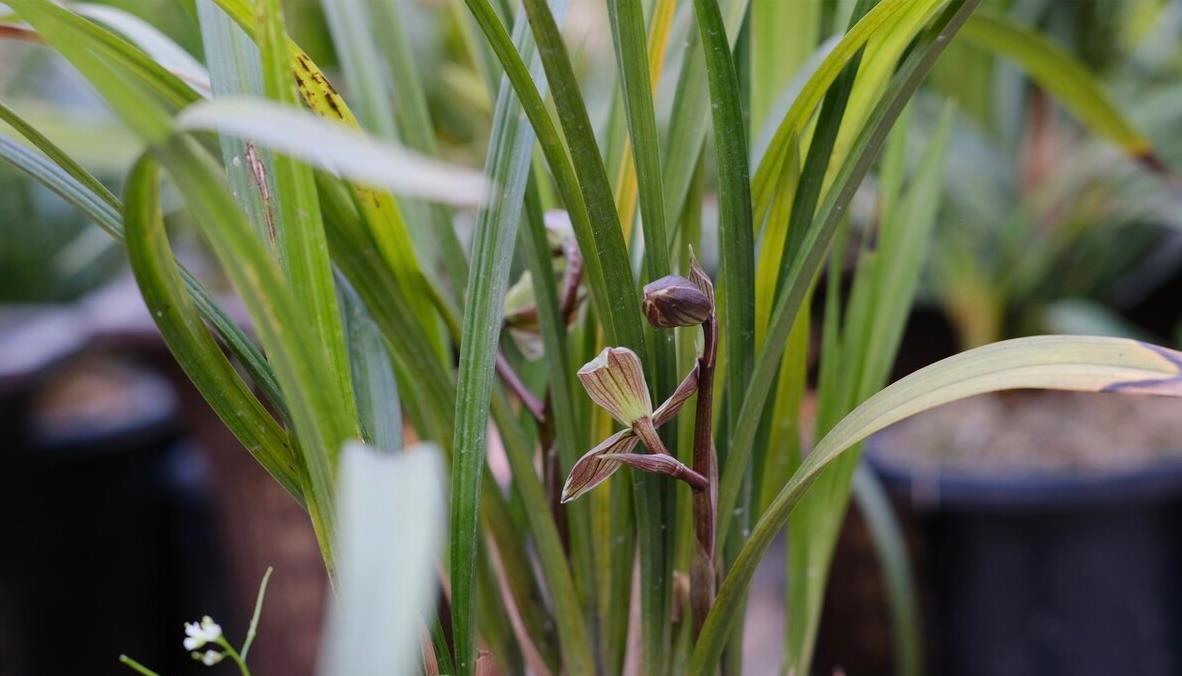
(212, 630)
(208, 658)
(197, 635)
(211, 658)
(194, 637)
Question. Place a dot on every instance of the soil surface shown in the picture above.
(1029, 431)
(95, 395)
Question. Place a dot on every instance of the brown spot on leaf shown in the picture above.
(258, 173)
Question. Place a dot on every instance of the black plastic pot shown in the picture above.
(1050, 574)
(111, 541)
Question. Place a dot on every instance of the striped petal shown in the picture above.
(615, 381)
(592, 469)
(659, 463)
(666, 411)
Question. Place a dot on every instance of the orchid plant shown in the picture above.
(338, 226)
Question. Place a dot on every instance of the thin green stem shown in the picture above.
(136, 666)
(233, 655)
(258, 609)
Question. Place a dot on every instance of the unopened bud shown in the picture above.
(673, 301)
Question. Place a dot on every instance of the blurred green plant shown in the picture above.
(1045, 227)
(370, 310)
(47, 252)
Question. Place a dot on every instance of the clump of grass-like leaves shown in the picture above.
(336, 222)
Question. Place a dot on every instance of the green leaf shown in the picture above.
(691, 114)
(509, 157)
(374, 385)
(235, 71)
(302, 369)
(771, 165)
(628, 34)
(415, 127)
(614, 295)
(492, 250)
(58, 172)
(392, 519)
(158, 47)
(1061, 74)
(657, 506)
(59, 157)
(350, 23)
(597, 229)
(162, 84)
(623, 324)
(884, 287)
(902, 595)
(736, 238)
(353, 154)
(435, 397)
(387, 301)
(816, 244)
(820, 154)
(774, 58)
(562, 409)
(389, 95)
(1051, 362)
(383, 219)
(303, 247)
(199, 356)
(572, 632)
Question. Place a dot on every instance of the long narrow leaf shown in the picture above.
(653, 502)
(736, 238)
(303, 246)
(170, 89)
(58, 156)
(235, 70)
(352, 154)
(66, 178)
(1059, 73)
(415, 128)
(627, 20)
(880, 301)
(1084, 364)
(383, 218)
(158, 46)
(301, 368)
(187, 338)
(902, 594)
(392, 518)
(374, 385)
(691, 113)
(816, 244)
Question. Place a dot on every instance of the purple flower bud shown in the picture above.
(673, 301)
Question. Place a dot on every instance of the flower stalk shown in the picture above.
(675, 301)
(702, 570)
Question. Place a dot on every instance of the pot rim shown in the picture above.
(961, 490)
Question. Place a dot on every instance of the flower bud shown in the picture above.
(615, 381)
(673, 301)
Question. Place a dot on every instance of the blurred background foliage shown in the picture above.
(1044, 228)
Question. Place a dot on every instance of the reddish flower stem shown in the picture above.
(518, 388)
(702, 571)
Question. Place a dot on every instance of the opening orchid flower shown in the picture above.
(615, 381)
